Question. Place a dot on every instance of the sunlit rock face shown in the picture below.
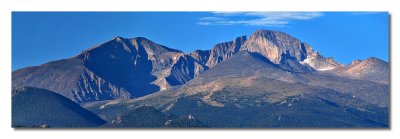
(278, 46)
(274, 44)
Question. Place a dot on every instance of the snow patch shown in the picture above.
(325, 69)
(310, 62)
(305, 61)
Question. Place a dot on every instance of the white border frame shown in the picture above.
(7, 6)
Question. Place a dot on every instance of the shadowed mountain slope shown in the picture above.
(33, 107)
(118, 69)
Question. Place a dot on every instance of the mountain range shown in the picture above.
(269, 79)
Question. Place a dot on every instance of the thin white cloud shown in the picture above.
(277, 19)
(204, 23)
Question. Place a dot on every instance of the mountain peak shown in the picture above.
(355, 62)
(273, 35)
(141, 39)
(374, 59)
(278, 46)
(135, 38)
(127, 40)
(372, 69)
(368, 61)
(241, 38)
(118, 38)
(274, 44)
(263, 31)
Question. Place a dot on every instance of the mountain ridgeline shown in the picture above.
(269, 79)
(130, 68)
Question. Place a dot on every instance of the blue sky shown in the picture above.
(40, 37)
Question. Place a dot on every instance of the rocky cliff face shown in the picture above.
(223, 51)
(185, 69)
(276, 46)
(201, 56)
